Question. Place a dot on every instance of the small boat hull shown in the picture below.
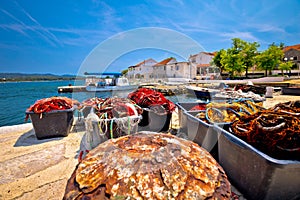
(291, 91)
(202, 93)
(110, 88)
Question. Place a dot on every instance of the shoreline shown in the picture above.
(40, 169)
(35, 81)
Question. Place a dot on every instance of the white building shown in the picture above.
(202, 58)
(142, 70)
(160, 69)
(178, 70)
(171, 70)
(197, 67)
(201, 67)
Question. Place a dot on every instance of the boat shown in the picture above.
(202, 92)
(222, 93)
(107, 82)
(293, 90)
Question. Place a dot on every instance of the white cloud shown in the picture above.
(267, 28)
(27, 29)
(14, 27)
(106, 15)
(43, 32)
(241, 35)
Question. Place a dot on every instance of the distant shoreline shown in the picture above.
(22, 77)
(8, 80)
(23, 81)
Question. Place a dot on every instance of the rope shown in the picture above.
(111, 129)
(207, 117)
(220, 112)
(105, 124)
(125, 125)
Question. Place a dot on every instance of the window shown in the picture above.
(165, 67)
(171, 68)
(177, 67)
(198, 71)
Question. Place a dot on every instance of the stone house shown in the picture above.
(178, 70)
(292, 53)
(200, 66)
(142, 70)
(160, 68)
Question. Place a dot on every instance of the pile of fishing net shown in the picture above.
(147, 98)
(111, 118)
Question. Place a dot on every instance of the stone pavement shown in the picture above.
(35, 169)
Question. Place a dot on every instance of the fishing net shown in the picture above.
(108, 118)
(117, 127)
(100, 129)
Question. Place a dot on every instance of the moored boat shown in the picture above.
(291, 91)
(112, 82)
(201, 92)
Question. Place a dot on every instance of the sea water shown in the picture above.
(16, 97)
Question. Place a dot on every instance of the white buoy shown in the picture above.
(249, 83)
(269, 92)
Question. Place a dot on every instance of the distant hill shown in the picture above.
(34, 77)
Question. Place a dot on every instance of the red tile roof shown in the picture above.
(143, 62)
(210, 54)
(297, 47)
(164, 62)
(207, 53)
(140, 63)
(203, 65)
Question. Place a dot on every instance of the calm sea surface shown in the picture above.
(16, 97)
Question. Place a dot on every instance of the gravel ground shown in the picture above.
(278, 98)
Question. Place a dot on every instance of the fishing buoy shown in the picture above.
(269, 92)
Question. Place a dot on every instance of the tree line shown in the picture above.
(4, 77)
(243, 55)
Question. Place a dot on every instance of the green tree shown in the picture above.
(124, 72)
(217, 59)
(285, 66)
(270, 58)
(246, 51)
(232, 59)
(232, 62)
(248, 54)
(237, 59)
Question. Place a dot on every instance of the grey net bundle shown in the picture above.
(100, 129)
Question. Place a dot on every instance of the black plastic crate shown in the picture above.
(51, 124)
(255, 174)
(153, 121)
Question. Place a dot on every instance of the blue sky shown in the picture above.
(58, 37)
